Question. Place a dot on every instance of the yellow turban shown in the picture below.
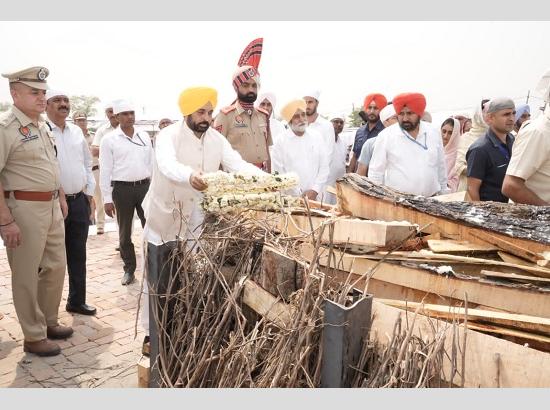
(194, 98)
(288, 111)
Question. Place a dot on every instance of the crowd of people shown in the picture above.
(57, 178)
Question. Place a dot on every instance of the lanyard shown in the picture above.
(135, 143)
(424, 146)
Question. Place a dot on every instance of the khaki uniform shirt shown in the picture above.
(249, 135)
(531, 156)
(27, 155)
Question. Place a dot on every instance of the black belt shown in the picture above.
(72, 197)
(131, 183)
(95, 167)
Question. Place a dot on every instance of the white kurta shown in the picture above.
(326, 130)
(342, 148)
(304, 156)
(411, 166)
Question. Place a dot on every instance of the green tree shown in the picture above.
(84, 103)
(4, 106)
(354, 120)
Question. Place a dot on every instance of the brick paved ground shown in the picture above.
(103, 351)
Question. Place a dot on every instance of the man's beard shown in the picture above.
(299, 127)
(409, 125)
(248, 97)
(198, 126)
(372, 118)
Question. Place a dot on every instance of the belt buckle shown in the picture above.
(55, 194)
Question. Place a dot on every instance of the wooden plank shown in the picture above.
(507, 246)
(370, 234)
(265, 304)
(517, 366)
(544, 263)
(427, 255)
(459, 247)
(506, 257)
(279, 274)
(517, 300)
(455, 196)
(522, 322)
(143, 371)
(514, 277)
(352, 202)
(518, 336)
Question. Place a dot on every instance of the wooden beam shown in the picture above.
(517, 366)
(280, 275)
(352, 202)
(533, 340)
(143, 371)
(427, 256)
(514, 277)
(506, 257)
(265, 304)
(507, 245)
(371, 234)
(459, 247)
(517, 300)
(522, 322)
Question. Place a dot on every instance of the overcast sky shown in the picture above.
(454, 64)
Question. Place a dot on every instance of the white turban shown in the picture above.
(266, 96)
(55, 93)
(122, 106)
(313, 94)
(387, 112)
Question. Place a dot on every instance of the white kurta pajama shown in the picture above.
(179, 153)
(306, 157)
(412, 166)
(341, 152)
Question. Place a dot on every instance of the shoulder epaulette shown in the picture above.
(263, 111)
(228, 109)
(6, 118)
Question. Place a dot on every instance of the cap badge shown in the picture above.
(42, 74)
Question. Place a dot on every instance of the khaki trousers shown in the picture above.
(37, 265)
(99, 208)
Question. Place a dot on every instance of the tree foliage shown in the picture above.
(354, 120)
(84, 103)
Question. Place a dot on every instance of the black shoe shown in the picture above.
(128, 278)
(83, 309)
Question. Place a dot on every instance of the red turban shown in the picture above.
(378, 99)
(416, 102)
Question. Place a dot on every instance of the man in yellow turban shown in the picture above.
(183, 152)
(301, 150)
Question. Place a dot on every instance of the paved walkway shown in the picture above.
(103, 350)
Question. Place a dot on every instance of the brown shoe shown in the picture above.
(59, 332)
(42, 348)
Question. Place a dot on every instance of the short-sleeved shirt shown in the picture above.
(249, 135)
(363, 134)
(366, 151)
(488, 160)
(531, 157)
(27, 154)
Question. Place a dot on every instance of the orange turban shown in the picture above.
(378, 99)
(416, 102)
(288, 111)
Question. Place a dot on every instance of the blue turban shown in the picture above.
(522, 109)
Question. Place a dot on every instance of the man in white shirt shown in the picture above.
(267, 102)
(408, 156)
(183, 151)
(317, 123)
(77, 181)
(340, 156)
(99, 134)
(125, 165)
(301, 150)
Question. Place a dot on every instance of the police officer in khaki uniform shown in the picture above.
(246, 127)
(31, 212)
